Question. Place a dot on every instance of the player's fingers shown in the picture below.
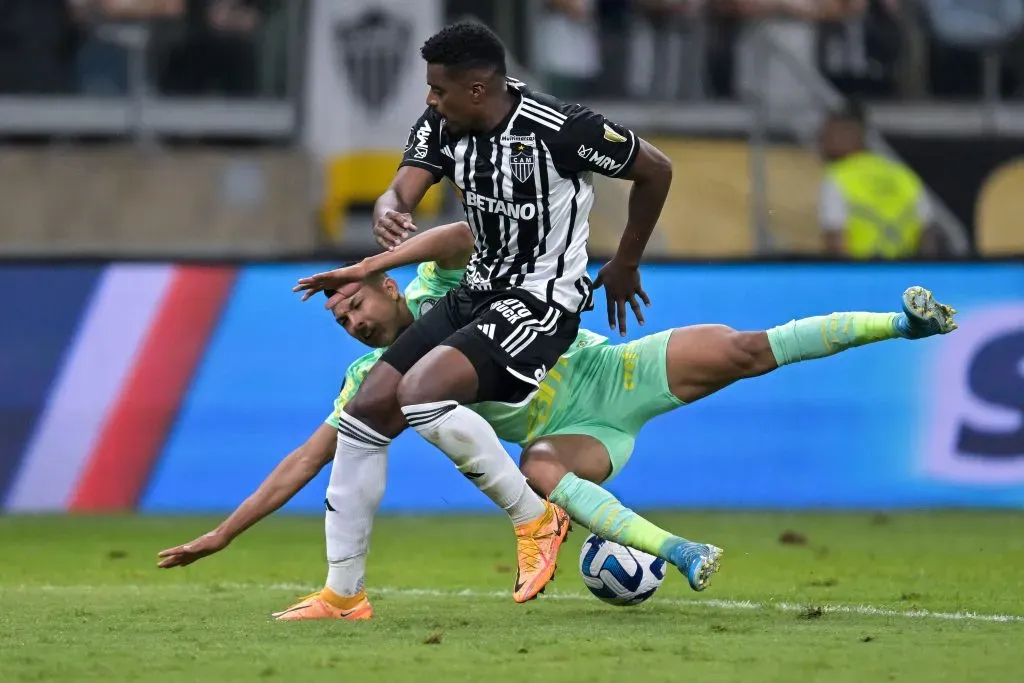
(314, 279)
(170, 552)
(383, 236)
(172, 561)
(637, 311)
(643, 295)
(384, 239)
(387, 233)
(333, 301)
(395, 227)
(621, 309)
(400, 217)
(599, 282)
(404, 221)
(611, 313)
(309, 289)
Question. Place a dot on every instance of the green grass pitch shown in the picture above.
(853, 598)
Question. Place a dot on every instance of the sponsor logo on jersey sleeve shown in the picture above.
(422, 143)
(611, 136)
(595, 158)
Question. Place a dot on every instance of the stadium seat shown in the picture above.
(358, 179)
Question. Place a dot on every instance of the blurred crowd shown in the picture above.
(173, 47)
(647, 49)
(880, 49)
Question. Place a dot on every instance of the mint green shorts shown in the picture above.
(614, 390)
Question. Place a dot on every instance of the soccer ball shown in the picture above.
(617, 574)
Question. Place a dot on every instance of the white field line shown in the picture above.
(469, 593)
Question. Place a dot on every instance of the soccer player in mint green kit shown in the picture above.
(571, 446)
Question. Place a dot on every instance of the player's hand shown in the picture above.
(183, 555)
(393, 228)
(621, 284)
(332, 279)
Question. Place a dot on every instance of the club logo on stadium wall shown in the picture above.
(371, 51)
(977, 424)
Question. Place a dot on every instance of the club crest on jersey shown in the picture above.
(426, 305)
(521, 159)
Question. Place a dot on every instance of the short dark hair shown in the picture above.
(465, 45)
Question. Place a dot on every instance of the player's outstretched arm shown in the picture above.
(280, 486)
(651, 174)
(449, 245)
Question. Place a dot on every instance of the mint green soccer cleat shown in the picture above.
(697, 561)
(923, 316)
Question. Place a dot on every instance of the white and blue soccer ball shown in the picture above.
(617, 574)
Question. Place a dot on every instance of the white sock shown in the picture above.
(472, 445)
(357, 481)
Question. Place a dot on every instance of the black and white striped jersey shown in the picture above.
(527, 189)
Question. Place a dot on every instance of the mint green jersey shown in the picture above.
(427, 288)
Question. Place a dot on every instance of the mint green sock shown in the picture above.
(598, 510)
(827, 335)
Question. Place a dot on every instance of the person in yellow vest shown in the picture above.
(870, 206)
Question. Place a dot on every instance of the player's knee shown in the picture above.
(413, 389)
(542, 468)
(444, 374)
(744, 352)
(377, 408)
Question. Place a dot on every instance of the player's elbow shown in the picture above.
(662, 164)
(652, 165)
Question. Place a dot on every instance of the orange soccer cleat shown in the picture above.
(314, 606)
(538, 542)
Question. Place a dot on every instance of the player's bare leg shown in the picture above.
(366, 427)
(568, 468)
(433, 396)
(705, 358)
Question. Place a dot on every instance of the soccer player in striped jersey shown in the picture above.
(523, 164)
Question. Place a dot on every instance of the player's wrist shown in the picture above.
(626, 261)
(223, 534)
